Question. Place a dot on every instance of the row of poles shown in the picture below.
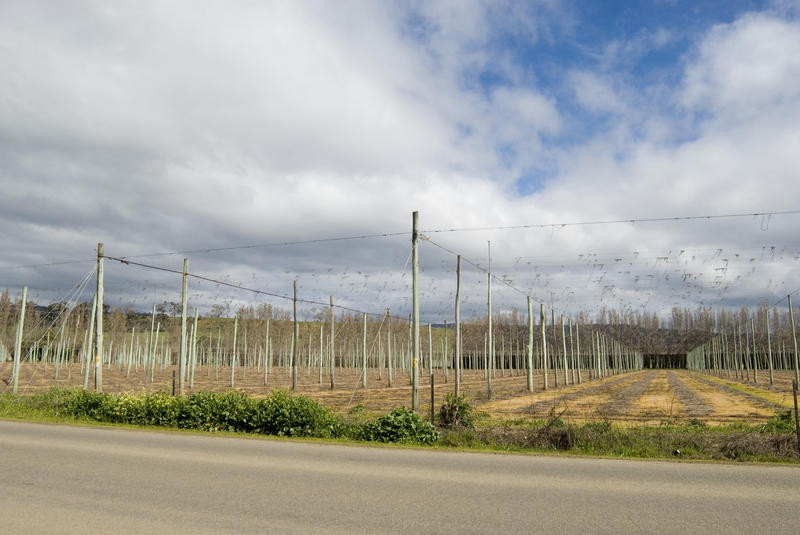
(628, 359)
(736, 352)
(718, 356)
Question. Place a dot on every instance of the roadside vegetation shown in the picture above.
(459, 425)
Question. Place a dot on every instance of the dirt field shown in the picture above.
(649, 396)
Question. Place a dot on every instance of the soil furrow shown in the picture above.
(693, 405)
(752, 399)
(624, 403)
(543, 407)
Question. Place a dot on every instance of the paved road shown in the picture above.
(63, 479)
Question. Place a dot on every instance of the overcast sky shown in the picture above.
(178, 126)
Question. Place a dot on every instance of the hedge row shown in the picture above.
(280, 414)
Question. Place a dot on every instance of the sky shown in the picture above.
(180, 127)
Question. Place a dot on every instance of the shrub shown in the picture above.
(157, 408)
(212, 411)
(87, 404)
(455, 411)
(782, 422)
(294, 416)
(400, 425)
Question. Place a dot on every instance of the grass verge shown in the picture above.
(282, 414)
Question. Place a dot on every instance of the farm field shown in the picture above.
(642, 397)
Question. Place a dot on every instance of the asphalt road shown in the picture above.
(65, 479)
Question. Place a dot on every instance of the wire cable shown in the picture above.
(245, 288)
(613, 222)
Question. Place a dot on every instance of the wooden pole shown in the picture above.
(233, 350)
(194, 349)
(555, 346)
(430, 363)
(530, 344)
(182, 356)
(544, 345)
(564, 345)
(266, 354)
(333, 358)
(149, 353)
(296, 336)
(490, 344)
(796, 417)
(321, 354)
(98, 370)
(389, 344)
(415, 350)
(755, 356)
(769, 353)
(458, 326)
(18, 341)
(794, 338)
(444, 353)
(364, 351)
(578, 351)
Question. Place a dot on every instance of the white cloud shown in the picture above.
(155, 127)
(595, 93)
(742, 67)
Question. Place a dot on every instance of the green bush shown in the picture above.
(280, 414)
(294, 416)
(92, 405)
(212, 411)
(782, 422)
(455, 411)
(400, 425)
(157, 408)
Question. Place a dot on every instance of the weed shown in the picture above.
(400, 425)
(455, 411)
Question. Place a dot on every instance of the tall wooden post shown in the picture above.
(98, 369)
(430, 365)
(564, 345)
(18, 341)
(233, 350)
(794, 338)
(755, 356)
(182, 356)
(88, 356)
(530, 344)
(150, 344)
(544, 345)
(296, 336)
(490, 342)
(769, 353)
(578, 352)
(267, 355)
(445, 363)
(415, 352)
(333, 358)
(458, 326)
(321, 350)
(364, 352)
(193, 351)
(389, 345)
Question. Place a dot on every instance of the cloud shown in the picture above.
(595, 93)
(743, 67)
(153, 127)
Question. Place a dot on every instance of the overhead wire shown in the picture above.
(244, 288)
(612, 222)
